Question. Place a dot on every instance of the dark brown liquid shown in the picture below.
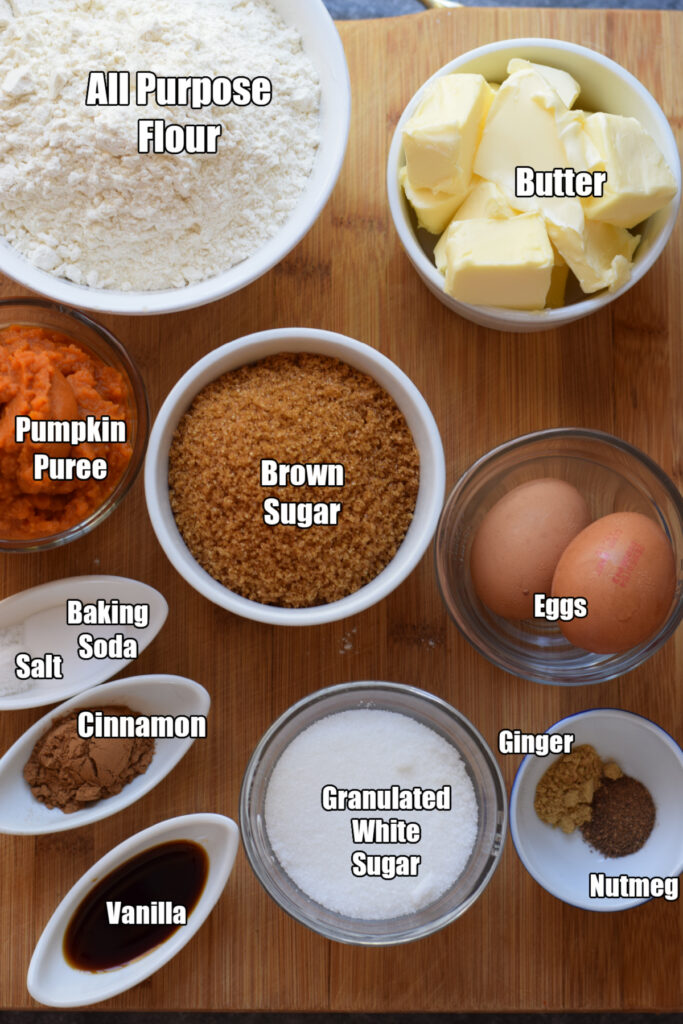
(174, 871)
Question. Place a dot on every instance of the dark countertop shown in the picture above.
(388, 8)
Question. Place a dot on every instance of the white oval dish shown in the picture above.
(562, 863)
(42, 610)
(250, 349)
(53, 982)
(322, 44)
(22, 814)
(606, 86)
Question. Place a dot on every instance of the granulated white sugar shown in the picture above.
(367, 749)
(79, 200)
(11, 644)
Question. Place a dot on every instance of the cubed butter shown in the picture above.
(522, 130)
(639, 181)
(499, 262)
(441, 137)
(601, 258)
(581, 152)
(484, 200)
(432, 209)
(558, 282)
(566, 87)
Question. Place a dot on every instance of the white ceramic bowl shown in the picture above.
(41, 612)
(22, 814)
(249, 350)
(322, 44)
(605, 86)
(562, 863)
(54, 982)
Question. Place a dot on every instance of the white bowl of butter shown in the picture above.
(609, 242)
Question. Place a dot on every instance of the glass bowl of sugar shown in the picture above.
(374, 813)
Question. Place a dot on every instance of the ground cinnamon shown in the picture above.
(68, 772)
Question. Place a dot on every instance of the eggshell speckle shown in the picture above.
(623, 564)
(519, 542)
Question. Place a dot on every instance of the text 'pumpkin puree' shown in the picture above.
(47, 376)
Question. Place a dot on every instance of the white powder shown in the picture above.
(11, 644)
(368, 749)
(78, 200)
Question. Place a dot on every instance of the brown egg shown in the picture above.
(519, 543)
(623, 564)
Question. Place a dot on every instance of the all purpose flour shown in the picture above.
(76, 197)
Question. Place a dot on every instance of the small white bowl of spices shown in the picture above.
(599, 826)
(295, 476)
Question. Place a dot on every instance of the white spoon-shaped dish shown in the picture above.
(54, 982)
(43, 613)
(22, 814)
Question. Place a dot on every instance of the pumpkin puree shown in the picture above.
(46, 375)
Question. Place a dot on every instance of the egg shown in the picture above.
(623, 565)
(519, 542)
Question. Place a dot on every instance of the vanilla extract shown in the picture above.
(137, 906)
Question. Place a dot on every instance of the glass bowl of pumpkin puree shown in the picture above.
(74, 421)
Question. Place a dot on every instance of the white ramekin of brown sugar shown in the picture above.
(207, 487)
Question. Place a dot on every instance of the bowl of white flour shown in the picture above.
(374, 813)
(156, 158)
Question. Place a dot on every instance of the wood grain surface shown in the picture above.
(621, 371)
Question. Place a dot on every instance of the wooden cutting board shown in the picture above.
(621, 371)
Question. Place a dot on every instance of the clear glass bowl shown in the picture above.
(96, 339)
(481, 767)
(613, 477)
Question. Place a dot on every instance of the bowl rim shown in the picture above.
(649, 647)
(258, 346)
(414, 693)
(137, 394)
(544, 319)
(523, 767)
(268, 255)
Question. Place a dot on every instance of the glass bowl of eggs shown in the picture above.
(559, 555)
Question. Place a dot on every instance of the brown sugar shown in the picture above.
(69, 772)
(296, 408)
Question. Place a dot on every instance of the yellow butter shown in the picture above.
(566, 87)
(601, 258)
(558, 281)
(639, 181)
(441, 137)
(432, 209)
(499, 262)
(484, 200)
(523, 130)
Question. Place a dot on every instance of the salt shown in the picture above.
(11, 643)
(369, 750)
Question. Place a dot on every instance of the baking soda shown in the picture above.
(399, 766)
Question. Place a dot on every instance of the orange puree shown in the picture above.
(46, 375)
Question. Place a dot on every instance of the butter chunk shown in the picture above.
(566, 87)
(441, 137)
(432, 209)
(499, 262)
(601, 258)
(581, 152)
(639, 181)
(483, 200)
(558, 282)
(523, 129)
